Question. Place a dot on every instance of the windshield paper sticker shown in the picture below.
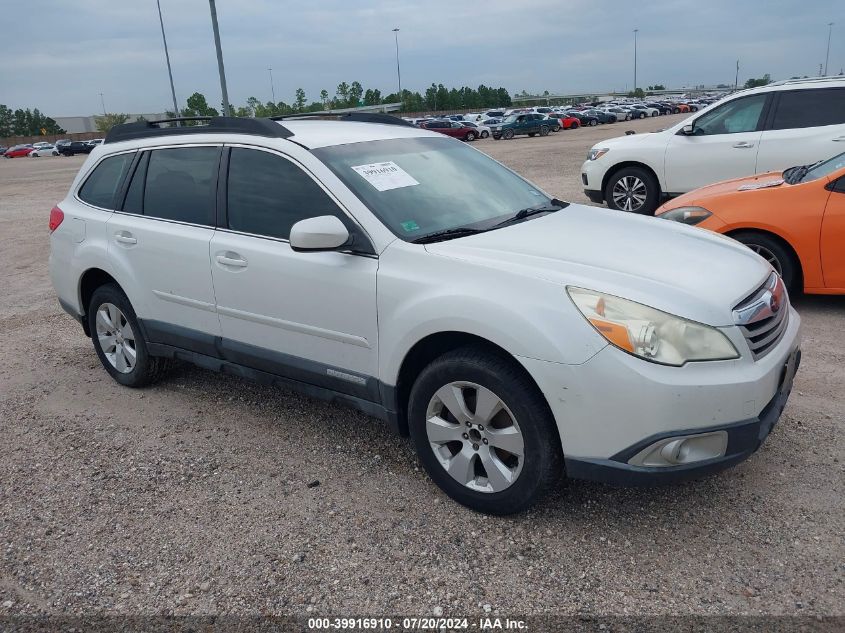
(385, 176)
(761, 185)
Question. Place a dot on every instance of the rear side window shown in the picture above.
(810, 108)
(268, 194)
(100, 189)
(181, 185)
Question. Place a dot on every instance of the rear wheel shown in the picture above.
(532, 134)
(485, 134)
(654, 113)
(470, 136)
(575, 125)
(483, 431)
(593, 122)
(632, 189)
(544, 130)
(119, 341)
(781, 258)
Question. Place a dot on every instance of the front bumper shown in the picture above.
(744, 438)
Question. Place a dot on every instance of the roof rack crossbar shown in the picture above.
(214, 124)
(361, 117)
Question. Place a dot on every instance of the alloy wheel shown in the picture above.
(475, 437)
(116, 338)
(629, 193)
(769, 256)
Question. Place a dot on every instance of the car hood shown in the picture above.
(632, 140)
(747, 184)
(673, 267)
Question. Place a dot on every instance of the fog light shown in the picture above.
(685, 449)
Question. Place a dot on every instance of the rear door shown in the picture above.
(833, 237)
(160, 239)
(805, 126)
(723, 145)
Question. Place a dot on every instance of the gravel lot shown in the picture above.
(198, 495)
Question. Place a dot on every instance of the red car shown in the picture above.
(451, 128)
(17, 151)
(566, 122)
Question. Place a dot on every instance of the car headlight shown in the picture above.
(595, 154)
(687, 215)
(648, 333)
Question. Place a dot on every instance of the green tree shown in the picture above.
(6, 121)
(372, 97)
(342, 93)
(639, 93)
(299, 102)
(26, 122)
(324, 97)
(756, 83)
(108, 121)
(354, 97)
(198, 106)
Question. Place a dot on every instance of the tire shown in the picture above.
(470, 136)
(556, 128)
(544, 130)
(485, 134)
(781, 258)
(575, 125)
(110, 316)
(641, 184)
(55, 153)
(676, 110)
(518, 481)
(654, 113)
(593, 122)
(507, 134)
(532, 134)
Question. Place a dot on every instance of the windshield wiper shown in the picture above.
(446, 234)
(554, 205)
(793, 175)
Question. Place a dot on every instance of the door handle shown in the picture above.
(839, 138)
(231, 259)
(743, 145)
(124, 237)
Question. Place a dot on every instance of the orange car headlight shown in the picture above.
(687, 215)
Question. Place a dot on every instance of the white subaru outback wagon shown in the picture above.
(515, 337)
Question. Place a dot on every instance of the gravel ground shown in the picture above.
(200, 495)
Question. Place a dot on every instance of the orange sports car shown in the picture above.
(794, 219)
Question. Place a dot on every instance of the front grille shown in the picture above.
(763, 316)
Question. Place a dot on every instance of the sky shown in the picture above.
(67, 52)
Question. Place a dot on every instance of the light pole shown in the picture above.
(272, 89)
(635, 58)
(736, 81)
(227, 111)
(103, 103)
(167, 58)
(827, 55)
(398, 74)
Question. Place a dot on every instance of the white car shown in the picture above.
(751, 131)
(621, 114)
(484, 131)
(41, 144)
(44, 150)
(649, 111)
(515, 337)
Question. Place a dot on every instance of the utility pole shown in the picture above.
(167, 58)
(635, 58)
(103, 103)
(398, 74)
(272, 89)
(227, 111)
(827, 55)
(736, 81)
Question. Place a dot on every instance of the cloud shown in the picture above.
(90, 46)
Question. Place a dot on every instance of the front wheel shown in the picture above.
(654, 113)
(507, 134)
(119, 341)
(778, 256)
(575, 125)
(485, 134)
(593, 122)
(470, 136)
(483, 431)
(544, 130)
(632, 189)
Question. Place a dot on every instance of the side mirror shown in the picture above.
(688, 129)
(323, 233)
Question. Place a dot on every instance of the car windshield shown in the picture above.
(419, 186)
(821, 169)
(511, 118)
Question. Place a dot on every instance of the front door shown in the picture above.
(310, 317)
(723, 145)
(833, 237)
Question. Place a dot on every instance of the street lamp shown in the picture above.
(167, 58)
(227, 111)
(827, 55)
(635, 58)
(103, 103)
(272, 89)
(398, 74)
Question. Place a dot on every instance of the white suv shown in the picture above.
(514, 336)
(752, 131)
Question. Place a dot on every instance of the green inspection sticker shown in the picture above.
(410, 226)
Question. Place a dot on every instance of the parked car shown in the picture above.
(530, 123)
(75, 147)
(18, 151)
(41, 144)
(95, 141)
(752, 131)
(45, 150)
(649, 111)
(662, 108)
(3, 150)
(451, 128)
(567, 121)
(429, 285)
(482, 130)
(794, 219)
(601, 115)
(583, 117)
(619, 113)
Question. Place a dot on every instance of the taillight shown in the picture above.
(56, 217)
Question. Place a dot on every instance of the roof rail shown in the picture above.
(213, 124)
(805, 80)
(361, 117)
